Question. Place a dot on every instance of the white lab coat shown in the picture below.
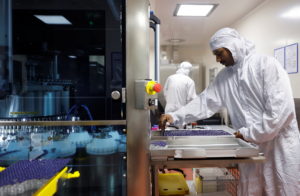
(179, 89)
(257, 94)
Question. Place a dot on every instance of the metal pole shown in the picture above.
(9, 40)
(157, 53)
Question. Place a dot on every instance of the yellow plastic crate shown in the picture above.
(172, 184)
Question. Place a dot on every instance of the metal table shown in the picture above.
(199, 151)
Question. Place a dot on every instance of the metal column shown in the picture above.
(138, 121)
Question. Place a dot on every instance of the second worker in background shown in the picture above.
(179, 88)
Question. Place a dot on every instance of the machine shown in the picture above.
(67, 72)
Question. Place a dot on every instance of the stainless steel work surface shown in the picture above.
(186, 147)
(203, 142)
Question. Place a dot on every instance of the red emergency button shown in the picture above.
(157, 87)
(153, 87)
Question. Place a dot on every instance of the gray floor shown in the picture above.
(193, 192)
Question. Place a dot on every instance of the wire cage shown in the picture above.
(217, 181)
(229, 181)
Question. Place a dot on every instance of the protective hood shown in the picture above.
(184, 68)
(229, 38)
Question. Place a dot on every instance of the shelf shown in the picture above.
(63, 123)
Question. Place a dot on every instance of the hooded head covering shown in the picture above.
(184, 68)
(229, 38)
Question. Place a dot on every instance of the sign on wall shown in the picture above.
(288, 57)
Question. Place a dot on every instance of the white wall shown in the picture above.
(268, 30)
(179, 53)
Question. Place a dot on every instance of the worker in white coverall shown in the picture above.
(256, 91)
(179, 88)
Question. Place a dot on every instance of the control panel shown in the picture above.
(146, 94)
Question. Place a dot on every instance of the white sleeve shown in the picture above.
(203, 106)
(278, 104)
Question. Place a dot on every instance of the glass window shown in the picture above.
(63, 53)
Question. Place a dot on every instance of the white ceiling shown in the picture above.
(197, 30)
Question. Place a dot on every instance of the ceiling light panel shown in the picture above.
(53, 19)
(292, 13)
(194, 9)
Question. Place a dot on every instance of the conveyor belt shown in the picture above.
(25, 177)
(27, 170)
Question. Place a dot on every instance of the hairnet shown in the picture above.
(185, 68)
(229, 38)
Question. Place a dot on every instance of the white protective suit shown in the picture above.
(257, 94)
(179, 88)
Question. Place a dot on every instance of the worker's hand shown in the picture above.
(164, 118)
(239, 135)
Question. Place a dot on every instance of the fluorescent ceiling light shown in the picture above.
(194, 9)
(72, 56)
(292, 13)
(53, 19)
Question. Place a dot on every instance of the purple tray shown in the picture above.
(204, 132)
(159, 143)
(28, 170)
